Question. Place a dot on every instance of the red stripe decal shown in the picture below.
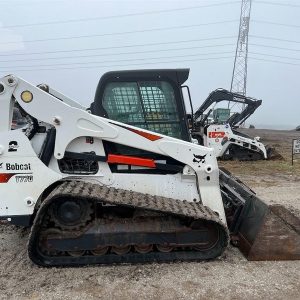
(149, 136)
(130, 160)
(4, 177)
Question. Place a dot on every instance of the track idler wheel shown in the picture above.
(210, 230)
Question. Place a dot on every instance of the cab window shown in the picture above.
(146, 104)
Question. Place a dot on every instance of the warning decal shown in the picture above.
(216, 134)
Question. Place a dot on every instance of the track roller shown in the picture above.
(121, 250)
(164, 248)
(100, 251)
(143, 248)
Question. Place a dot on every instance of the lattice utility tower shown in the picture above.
(239, 74)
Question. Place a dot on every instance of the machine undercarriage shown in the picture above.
(83, 223)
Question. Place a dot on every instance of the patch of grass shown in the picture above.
(262, 167)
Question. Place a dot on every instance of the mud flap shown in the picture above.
(261, 231)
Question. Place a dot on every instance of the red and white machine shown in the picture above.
(94, 190)
(229, 143)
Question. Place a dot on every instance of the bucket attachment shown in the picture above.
(273, 154)
(260, 231)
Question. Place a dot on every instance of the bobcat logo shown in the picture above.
(199, 159)
(13, 146)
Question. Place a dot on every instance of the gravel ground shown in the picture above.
(229, 277)
(276, 189)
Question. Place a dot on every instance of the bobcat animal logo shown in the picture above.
(199, 158)
(12, 146)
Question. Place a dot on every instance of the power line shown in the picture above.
(158, 50)
(123, 46)
(278, 56)
(122, 16)
(142, 59)
(120, 53)
(118, 47)
(277, 24)
(122, 33)
(122, 60)
(142, 45)
(274, 61)
(131, 64)
(274, 47)
(277, 3)
(274, 39)
(145, 63)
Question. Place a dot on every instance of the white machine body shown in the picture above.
(24, 177)
(220, 137)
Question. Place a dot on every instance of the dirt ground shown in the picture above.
(229, 277)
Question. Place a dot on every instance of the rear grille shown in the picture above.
(78, 166)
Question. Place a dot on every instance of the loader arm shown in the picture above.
(71, 122)
(224, 95)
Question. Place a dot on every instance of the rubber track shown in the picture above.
(95, 192)
(244, 155)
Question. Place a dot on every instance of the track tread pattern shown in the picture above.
(135, 199)
(113, 196)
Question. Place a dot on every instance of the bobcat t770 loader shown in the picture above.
(95, 190)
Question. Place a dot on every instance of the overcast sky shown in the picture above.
(200, 35)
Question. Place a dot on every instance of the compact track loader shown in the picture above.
(223, 135)
(95, 190)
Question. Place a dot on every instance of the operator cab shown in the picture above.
(148, 99)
